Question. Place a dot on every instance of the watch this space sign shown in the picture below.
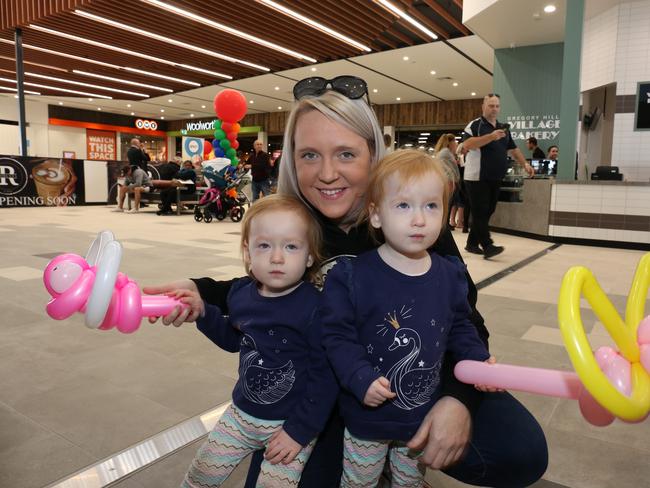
(100, 144)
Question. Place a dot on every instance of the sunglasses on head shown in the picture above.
(493, 95)
(349, 86)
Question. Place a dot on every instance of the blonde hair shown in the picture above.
(444, 141)
(284, 203)
(354, 115)
(409, 165)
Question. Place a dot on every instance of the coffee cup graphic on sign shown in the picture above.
(51, 178)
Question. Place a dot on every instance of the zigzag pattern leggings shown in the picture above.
(363, 463)
(234, 437)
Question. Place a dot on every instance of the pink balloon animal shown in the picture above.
(93, 286)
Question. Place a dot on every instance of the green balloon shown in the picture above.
(219, 134)
(217, 124)
(231, 153)
(225, 144)
(234, 161)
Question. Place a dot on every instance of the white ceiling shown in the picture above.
(385, 72)
(516, 23)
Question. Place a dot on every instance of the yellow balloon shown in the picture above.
(580, 281)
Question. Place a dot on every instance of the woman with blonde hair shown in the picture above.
(445, 150)
(331, 141)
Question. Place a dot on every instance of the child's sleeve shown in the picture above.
(217, 328)
(463, 341)
(348, 357)
(313, 410)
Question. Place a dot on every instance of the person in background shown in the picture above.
(260, 169)
(135, 155)
(488, 143)
(388, 143)
(445, 150)
(137, 182)
(531, 142)
(168, 195)
(552, 153)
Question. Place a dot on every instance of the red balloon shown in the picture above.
(230, 105)
(231, 136)
(207, 147)
(226, 126)
(235, 144)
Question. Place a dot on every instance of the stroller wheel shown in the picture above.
(198, 217)
(221, 215)
(236, 214)
(207, 218)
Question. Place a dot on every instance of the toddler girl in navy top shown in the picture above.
(384, 334)
(286, 388)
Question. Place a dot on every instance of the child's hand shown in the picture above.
(281, 448)
(378, 392)
(486, 388)
(193, 300)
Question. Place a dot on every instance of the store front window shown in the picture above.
(155, 146)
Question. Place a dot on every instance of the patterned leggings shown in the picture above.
(235, 436)
(363, 463)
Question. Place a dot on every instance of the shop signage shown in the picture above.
(100, 144)
(29, 182)
(146, 124)
(542, 127)
(199, 125)
(642, 118)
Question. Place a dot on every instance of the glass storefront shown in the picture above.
(155, 146)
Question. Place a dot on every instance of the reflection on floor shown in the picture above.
(71, 397)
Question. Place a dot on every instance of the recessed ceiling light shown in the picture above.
(202, 106)
(314, 24)
(162, 118)
(191, 115)
(473, 94)
(374, 90)
(168, 40)
(132, 113)
(398, 99)
(60, 103)
(90, 99)
(277, 88)
(313, 69)
(99, 108)
(251, 101)
(15, 96)
(221, 28)
(162, 109)
(170, 100)
(433, 72)
(279, 108)
(549, 9)
(454, 84)
(405, 58)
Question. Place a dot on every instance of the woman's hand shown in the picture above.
(281, 448)
(178, 315)
(378, 392)
(443, 434)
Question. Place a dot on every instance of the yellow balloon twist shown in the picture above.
(579, 280)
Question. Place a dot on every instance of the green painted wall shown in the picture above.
(529, 80)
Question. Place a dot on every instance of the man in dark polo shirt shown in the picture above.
(260, 170)
(531, 142)
(136, 156)
(489, 142)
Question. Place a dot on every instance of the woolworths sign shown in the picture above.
(198, 126)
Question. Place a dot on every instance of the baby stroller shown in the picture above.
(222, 198)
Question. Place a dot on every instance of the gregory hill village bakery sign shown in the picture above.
(542, 127)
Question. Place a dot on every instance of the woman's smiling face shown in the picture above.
(332, 165)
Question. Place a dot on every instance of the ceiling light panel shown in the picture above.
(316, 25)
(29, 92)
(158, 37)
(126, 51)
(224, 28)
(56, 88)
(403, 15)
(119, 80)
(89, 85)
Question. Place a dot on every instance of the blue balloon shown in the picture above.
(218, 152)
(215, 143)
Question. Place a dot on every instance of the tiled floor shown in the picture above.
(70, 397)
